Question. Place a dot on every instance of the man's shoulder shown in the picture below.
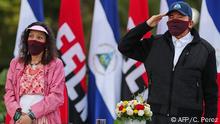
(207, 45)
(155, 37)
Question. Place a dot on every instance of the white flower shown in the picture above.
(146, 109)
(118, 113)
(148, 113)
(140, 112)
(130, 103)
(147, 105)
(129, 111)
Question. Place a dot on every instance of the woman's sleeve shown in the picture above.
(55, 98)
(10, 96)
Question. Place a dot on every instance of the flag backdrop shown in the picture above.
(209, 29)
(164, 7)
(70, 42)
(30, 11)
(104, 62)
(134, 78)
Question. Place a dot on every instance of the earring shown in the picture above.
(46, 53)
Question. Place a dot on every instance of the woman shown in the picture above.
(35, 80)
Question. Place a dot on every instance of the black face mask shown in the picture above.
(35, 47)
(177, 27)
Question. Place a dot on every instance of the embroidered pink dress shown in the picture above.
(32, 90)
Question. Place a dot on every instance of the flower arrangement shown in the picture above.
(136, 109)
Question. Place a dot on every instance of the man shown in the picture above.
(181, 68)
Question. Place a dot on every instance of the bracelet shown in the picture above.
(17, 114)
(31, 115)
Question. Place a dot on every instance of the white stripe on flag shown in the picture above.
(26, 17)
(208, 31)
(162, 25)
(130, 23)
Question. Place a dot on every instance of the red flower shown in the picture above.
(139, 107)
(121, 108)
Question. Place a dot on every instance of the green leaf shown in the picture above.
(3, 77)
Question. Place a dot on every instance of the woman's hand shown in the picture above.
(24, 119)
(154, 20)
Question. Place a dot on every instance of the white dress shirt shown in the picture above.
(179, 45)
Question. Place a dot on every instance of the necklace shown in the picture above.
(34, 65)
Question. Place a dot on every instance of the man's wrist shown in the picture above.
(148, 23)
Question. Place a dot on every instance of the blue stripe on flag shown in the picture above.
(169, 2)
(37, 7)
(110, 8)
(213, 7)
(96, 101)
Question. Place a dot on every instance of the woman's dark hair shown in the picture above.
(50, 51)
